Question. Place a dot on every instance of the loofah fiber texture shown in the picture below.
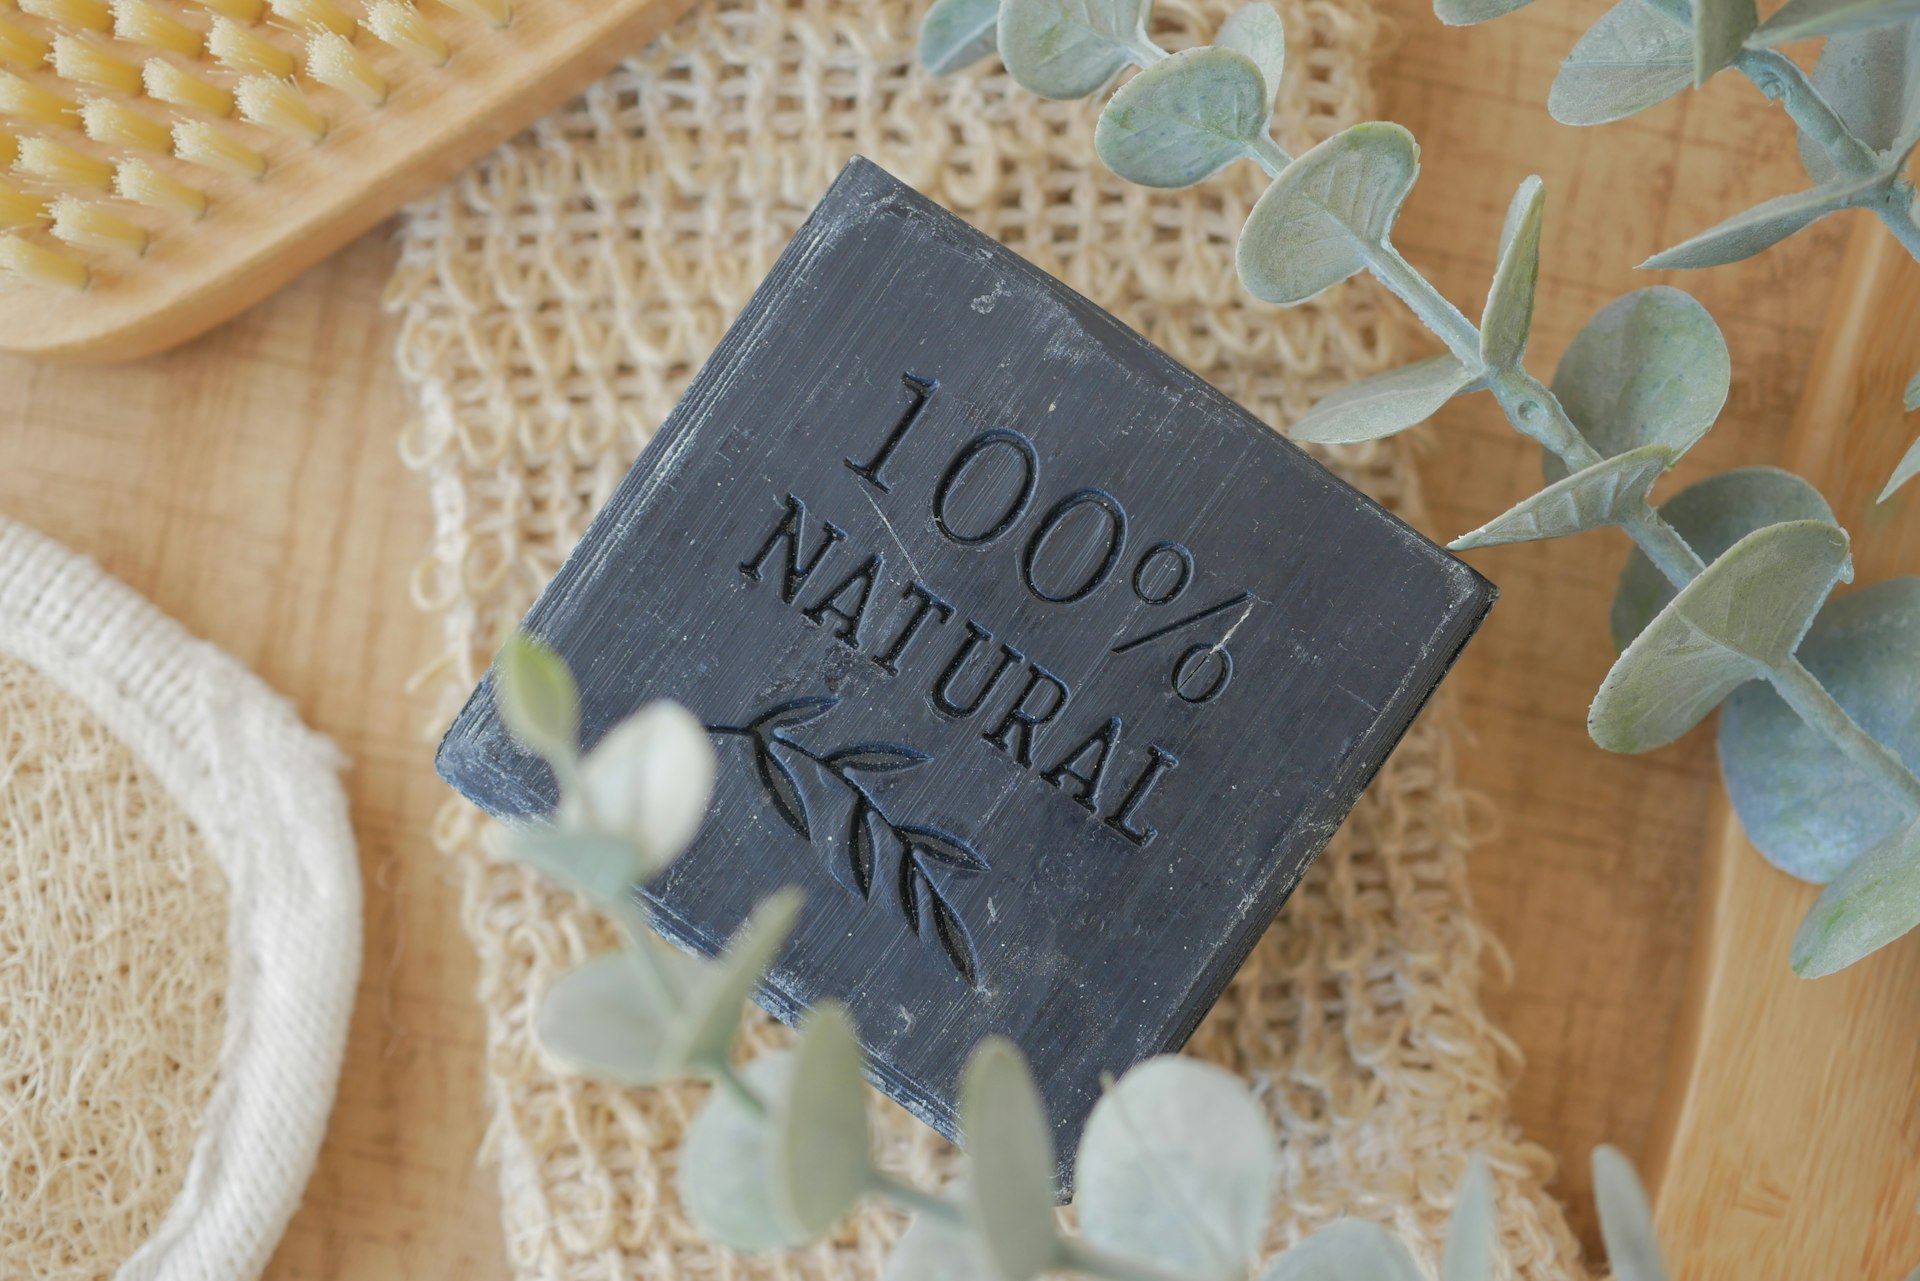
(179, 938)
(556, 300)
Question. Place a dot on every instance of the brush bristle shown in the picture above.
(90, 15)
(56, 163)
(20, 47)
(169, 84)
(403, 27)
(40, 264)
(118, 125)
(141, 183)
(279, 106)
(78, 59)
(20, 208)
(315, 15)
(41, 106)
(333, 61)
(247, 52)
(211, 147)
(238, 10)
(86, 225)
(140, 23)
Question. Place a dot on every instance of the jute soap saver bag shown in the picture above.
(554, 304)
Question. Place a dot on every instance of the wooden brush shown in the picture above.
(166, 163)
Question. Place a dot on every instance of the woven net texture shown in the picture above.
(555, 302)
(113, 975)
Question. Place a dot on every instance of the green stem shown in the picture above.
(1776, 76)
(1670, 553)
(1429, 304)
(1808, 697)
(1143, 50)
(728, 1078)
(1895, 207)
(903, 1194)
(1269, 155)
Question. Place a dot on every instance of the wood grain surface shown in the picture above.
(249, 484)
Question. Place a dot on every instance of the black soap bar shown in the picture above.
(1039, 665)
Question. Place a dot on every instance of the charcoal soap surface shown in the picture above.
(1039, 665)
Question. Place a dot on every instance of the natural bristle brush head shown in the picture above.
(164, 163)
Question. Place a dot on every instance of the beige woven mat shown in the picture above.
(555, 303)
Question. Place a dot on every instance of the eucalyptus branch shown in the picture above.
(1804, 693)
(1782, 81)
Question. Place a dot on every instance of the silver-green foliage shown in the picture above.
(1725, 584)
(1178, 1165)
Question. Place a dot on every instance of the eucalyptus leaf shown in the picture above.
(1744, 615)
(1508, 317)
(1911, 398)
(703, 1036)
(1650, 368)
(1871, 79)
(1256, 30)
(934, 1250)
(1328, 213)
(1592, 498)
(957, 33)
(821, 1162)
(1635, 57)
(1868, 906)
(1802, 19)
(1010, 1147)
(1907, 468)
(1346, 1250)
(1711, 515)
(726, 1165)
(1804, 804)
(1384, 404)
(1468, 13)
(1720, 31)
(604, 868)
(1471, 1231)
(537, 697)
(1177, 1168)
(1184, 119)
(1069, 48)
(648, 781)
(1763, 226)
(1626, 1218)
(610, 1020)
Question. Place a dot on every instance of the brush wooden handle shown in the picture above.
(1790, 1143)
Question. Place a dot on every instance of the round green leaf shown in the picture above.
(1184, 119)
(1508, 317)
(1468, 13)
(1256, 30)
(1871, 79)
(726, 1166)
(1803, 19)
(1384, 404)
(1346, 1250)
(1743, 616)
(1472, 1233)
(1868, 906)
(933, 1250)
(648, 781)
(1592, 498)
(1632, 59)
(703, 1036)
(1712, 515)
(957, 33)
(1069, 48)
(1177, 1168)
(537, 698)
(1650, 368)
(1720, 30)
(1626, 1218)
(1907, 468)
(821, 1159)
(604, 868)
(1327, 213)
(1010, 1146)
(1804, 805)
(608, 1020)
(1763, 226)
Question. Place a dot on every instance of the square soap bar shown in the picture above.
(1039, 665)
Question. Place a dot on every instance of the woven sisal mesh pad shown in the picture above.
(555, 303)
(113, 973)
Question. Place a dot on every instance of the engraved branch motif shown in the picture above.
(872, 834)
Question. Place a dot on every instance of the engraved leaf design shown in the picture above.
(907, 886)
(952, 934)
(877, 758)
(797, 711)
(857, 873)
(942, 848)
(784, 790)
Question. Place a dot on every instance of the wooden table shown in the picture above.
(249, 484)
